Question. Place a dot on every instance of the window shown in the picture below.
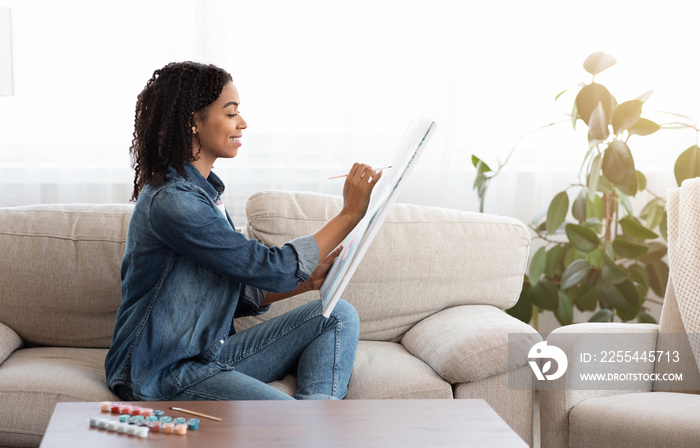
(325, 84)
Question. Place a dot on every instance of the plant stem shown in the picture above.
(678, 125)
(656, 196)
(512, 150)
(652, 300)
(543, 237)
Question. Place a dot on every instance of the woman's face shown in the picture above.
(219, 127)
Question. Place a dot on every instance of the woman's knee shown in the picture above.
(346, 313)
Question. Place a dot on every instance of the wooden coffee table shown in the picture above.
(347, 423)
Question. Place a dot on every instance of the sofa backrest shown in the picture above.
(422, 260)
(60, 280)
(59, 272)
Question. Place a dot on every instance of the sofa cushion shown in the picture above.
(468, 343)
(9, 341)
(650, 419)
(386, 370)
(422, 260)
(32, 380)
(65, 290)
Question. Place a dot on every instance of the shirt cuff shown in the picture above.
(249, 303)
(306, 248)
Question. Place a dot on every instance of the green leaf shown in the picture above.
(476, 161)
(663, 226)
(545, 295)
(594, 224)
(611, 272)
(595, 257)
(598, 128)
(658, 277)
(589, 300)
(645, 96)
(565, 310)
(636, 229)
(557, 211)
(596, 208)
(653, 213)
(639, 184)
(614, 297)
(641, 181)
(631, 189)
(687, 164)
(625, 248)
(588, 99)
(604, 186)
(554, 261)
(577, 271)
(523, 307)
(537, 265)
(582, 238)
(479, 179)
(625, 201)
(644, 127)
(560, 94)
(578, 209)
(618, 164)
(631, 295)
(657, 250)
(594, 176)
(645, 318)
(598, 61)
(570, 255)
(604, 315)
(639, 274)
(626, 115)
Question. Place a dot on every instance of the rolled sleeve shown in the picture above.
(306, 248)
(185, 220)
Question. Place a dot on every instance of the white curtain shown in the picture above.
(324, 84)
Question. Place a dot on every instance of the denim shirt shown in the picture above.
(186, 273)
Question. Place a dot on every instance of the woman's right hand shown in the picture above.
(357, 190)
(356, 194)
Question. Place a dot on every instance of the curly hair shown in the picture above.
(165, 123)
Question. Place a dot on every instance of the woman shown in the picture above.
(186, 273)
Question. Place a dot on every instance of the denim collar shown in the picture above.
(212, 185)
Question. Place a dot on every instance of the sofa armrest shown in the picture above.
(556, 404)
(468, 343)
(9, 342)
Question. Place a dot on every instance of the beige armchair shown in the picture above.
(653, 413)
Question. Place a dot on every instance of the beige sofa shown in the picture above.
(430, 293)
(658, 413)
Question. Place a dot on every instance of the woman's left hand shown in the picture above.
(313, 283)
(316, 278)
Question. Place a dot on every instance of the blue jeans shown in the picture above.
(321, 351)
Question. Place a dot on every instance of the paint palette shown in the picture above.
(139, 421)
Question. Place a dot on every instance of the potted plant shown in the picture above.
(609, 259)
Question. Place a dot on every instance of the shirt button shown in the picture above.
(221, 341)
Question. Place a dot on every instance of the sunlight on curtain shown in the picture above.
(325, 84)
